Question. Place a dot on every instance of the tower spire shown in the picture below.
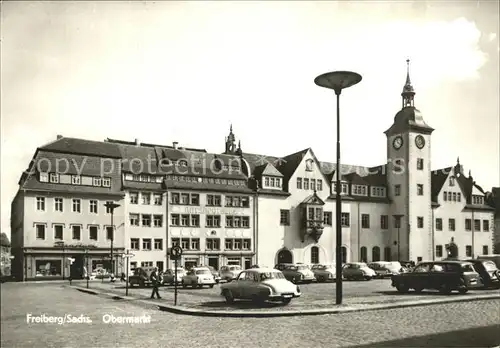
(408, 93)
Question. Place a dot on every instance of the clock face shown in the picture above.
(420, 141)
(397, 142)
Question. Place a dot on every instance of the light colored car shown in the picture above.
(259, 285)
(169, 276)
(324, 273)
(229, 273)
(385, 269)
(358, 271)
(298, 273)
(215, 273)
(198, 277)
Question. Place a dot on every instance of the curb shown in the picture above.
(291, 313)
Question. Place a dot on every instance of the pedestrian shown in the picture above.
(155, 283)
(123, 278)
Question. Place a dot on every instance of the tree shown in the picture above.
(4, 240)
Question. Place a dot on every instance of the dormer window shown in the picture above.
(182, 163)
(377, 191)
(270, 182)
(309, 165)
(478, 200)
(344, 188)
(44, 177)
(359, 190)
(452, 181)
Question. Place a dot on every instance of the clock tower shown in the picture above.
(409, 181)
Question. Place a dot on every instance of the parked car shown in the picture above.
(260, 284)
(141, 276)
(492, 257)
(324, 273)
(488, 272)
(444, 276)
(229, 273)
(198, 277)
(169, 276)
(358, 271)
(298, 273)
(385, 269)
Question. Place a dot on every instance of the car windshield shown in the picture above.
(468, 268)
(323, 267)
(490, 266)
(203, 271)
(271, 275)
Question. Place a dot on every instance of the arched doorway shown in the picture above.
(375, 254)
(364, 254)
(285, 256)
(314, 255)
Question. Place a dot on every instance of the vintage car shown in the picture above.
(198, 277)
(324, 273)
(385, 269)
(169, 276)
(215, 273)
(358, 271)
(296, 273)
(259, 285)
(488, 272)
(141, 276)
(444, 276)
(229, 273)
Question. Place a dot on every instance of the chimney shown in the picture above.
(175, 143)
(59, 137)
(137, 142)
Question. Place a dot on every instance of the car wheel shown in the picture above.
(211, 286)
(368, 278)
(184, 285)
(418, 289)
(228, 295)
(463, 290)
(200, 286)
(402, 288)
(286, 300)
(321, 279)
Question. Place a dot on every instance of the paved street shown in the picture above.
(456, 324)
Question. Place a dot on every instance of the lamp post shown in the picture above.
(60, 244)
(110, 206)
(87, 275)
(338, 80)
(397, 220)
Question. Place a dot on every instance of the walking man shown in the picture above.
(155, 283)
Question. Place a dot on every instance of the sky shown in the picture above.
(184, 71)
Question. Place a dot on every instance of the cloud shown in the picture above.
(492, 36)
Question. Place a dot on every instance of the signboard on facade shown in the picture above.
(213, 211)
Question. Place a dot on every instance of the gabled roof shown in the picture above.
(355, 179)
(291, 162)
(438, 178)
(313, 200)
(83, 147)
(266, 169)
(378, 179)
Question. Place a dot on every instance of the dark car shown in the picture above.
(444, 276)
(488, 272)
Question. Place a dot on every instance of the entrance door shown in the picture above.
(76, 269)
(285, 256)
(188, 264)
(248, 263)
(214, 262)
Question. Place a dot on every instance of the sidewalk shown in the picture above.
(201, 305)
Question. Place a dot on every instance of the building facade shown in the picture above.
(242, 208)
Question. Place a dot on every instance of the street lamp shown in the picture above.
(397, 221)
(110, 206)
(338, 80)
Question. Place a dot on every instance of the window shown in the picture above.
(486, 225)
(378, 191)
(75, 179)
(174, 198)
(76, 231)
(420, 222)
(314, 255)
(48, 267)
(319, 185)
(346, 219)
(313, 184)
(93, 206)
(40, 203)
(344, 188)
(365, 220)
(106, 182)
(40, 231)
(134, 243)
(176, 242)
(175, 219)
(146, 198)
(468, 250)
(146, 244)
(387, 254)
(58, 232)
(158, 244)
(195, 199)
(58, 204)
(212, 244)
(439, 251)
(237, 201)
(195, 244)
(420, 189)
(459, 197)
(449, 196)
(109, 233)
(454, 196)
(134, 197)
(185, 243)
(246, 244)
(245, 221)
(228, 245)
(185, 220)
(384, 222)
(108, 207)
(44, 177)
(327, 218)
(157, 220)
(452, 181)
(375, 254)
(157, 199)
(439, 224)
(214, 200)
(485, 250)
(478, 200)
(445, 196)
(397, 190)
(285, 217)
(159, 265)
(306, 184)
(213, 221)
(54, 178)
(299, 183)
(364, 254)
(146, 263)
(309, 165)
(134, 219)
(477, 225)
(146, 220)
(397, 221)
(77, 205)
(96, 182)
(420, 163)
(451, 224)
(93, 232)
(468, 224)
(195, 220)
(359, 190)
